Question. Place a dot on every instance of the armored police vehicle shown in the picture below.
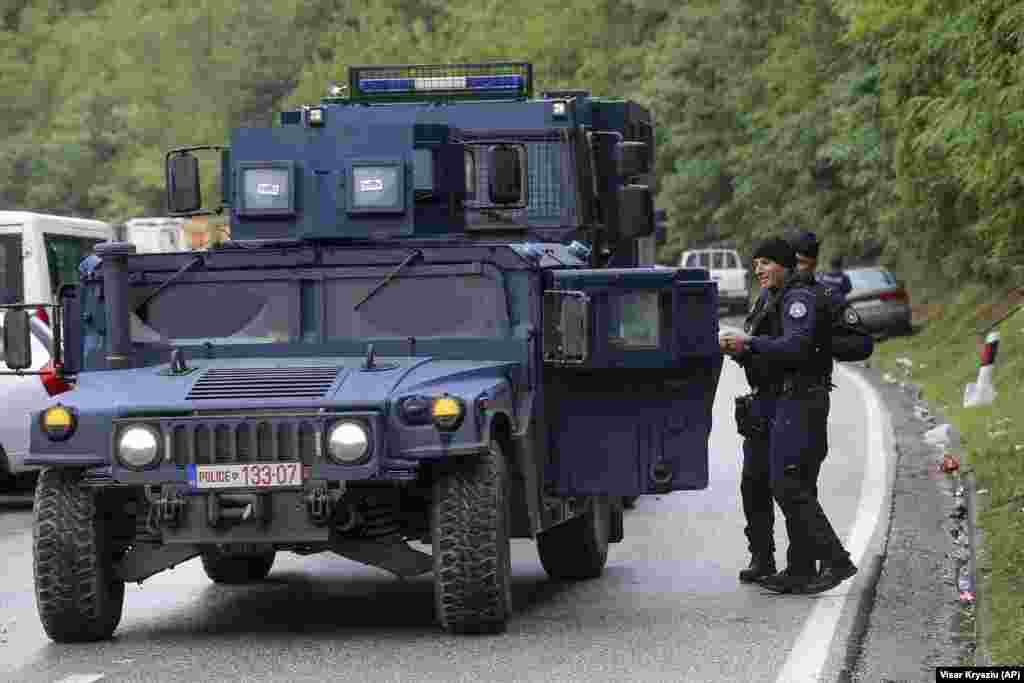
(428, 331)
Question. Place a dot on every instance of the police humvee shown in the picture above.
(437, 321)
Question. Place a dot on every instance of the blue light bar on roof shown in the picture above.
(505, 82)
(420, 82)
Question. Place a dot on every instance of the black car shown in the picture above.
(880, 299)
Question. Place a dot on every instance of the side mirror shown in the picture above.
(17, 345)
(636, 211)
(507, 171)
(183, 193)
(566, 327)
(633, 159)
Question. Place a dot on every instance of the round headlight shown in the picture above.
(59, 422)
(348, 443)
(139, 447)
(447, 413)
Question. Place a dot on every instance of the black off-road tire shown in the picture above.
(472, 555)
(78, 595)
(578, 549)
(237, 569)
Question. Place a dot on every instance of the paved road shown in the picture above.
(669, 607)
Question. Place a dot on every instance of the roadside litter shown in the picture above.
(943, 437)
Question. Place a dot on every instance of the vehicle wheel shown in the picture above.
(577, 549)
(78, 595)
(472, 557)
(235, 569)
(629, 502)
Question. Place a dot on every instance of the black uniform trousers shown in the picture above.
(784, 468)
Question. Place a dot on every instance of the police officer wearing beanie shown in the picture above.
(850, 340)
(785, 351)
(807, 245)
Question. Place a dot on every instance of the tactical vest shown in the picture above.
(765, 319)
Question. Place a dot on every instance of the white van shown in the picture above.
(39, 252)
(156, 235)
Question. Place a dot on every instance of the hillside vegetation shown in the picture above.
(894, 129)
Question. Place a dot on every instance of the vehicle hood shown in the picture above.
(234, 383)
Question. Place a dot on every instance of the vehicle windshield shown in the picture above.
(431, 301)
(872, 278)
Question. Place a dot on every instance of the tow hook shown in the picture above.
(236, 508)
(319, 505)
(170, 509)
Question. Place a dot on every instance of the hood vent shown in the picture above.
(264, 383)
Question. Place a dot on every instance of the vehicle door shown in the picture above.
(631, 365)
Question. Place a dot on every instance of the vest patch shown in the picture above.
(797, 310)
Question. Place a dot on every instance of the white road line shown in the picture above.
(807, 659)
(81, 678)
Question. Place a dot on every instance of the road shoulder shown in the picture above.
(913, 623)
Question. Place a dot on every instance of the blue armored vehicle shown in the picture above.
(436, 326)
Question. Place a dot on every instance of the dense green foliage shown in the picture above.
(894, 129)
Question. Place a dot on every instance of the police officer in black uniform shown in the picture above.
(807, 246)
(786, 353)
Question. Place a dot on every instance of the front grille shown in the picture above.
(203, 441)
(264, 383)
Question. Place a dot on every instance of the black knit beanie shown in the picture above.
(806, 243)
(778, 250)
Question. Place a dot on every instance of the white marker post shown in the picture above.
(983, 392)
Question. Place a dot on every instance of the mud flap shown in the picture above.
(616, 529)
(143, 560)
(396, 557)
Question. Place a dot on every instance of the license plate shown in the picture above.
(274, 475)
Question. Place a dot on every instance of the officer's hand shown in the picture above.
(734, 343)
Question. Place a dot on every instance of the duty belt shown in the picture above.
(793, 385)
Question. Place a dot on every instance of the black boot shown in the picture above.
(788, 581)
(831, 576)
(761, 566)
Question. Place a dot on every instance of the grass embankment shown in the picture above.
(945, 354)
